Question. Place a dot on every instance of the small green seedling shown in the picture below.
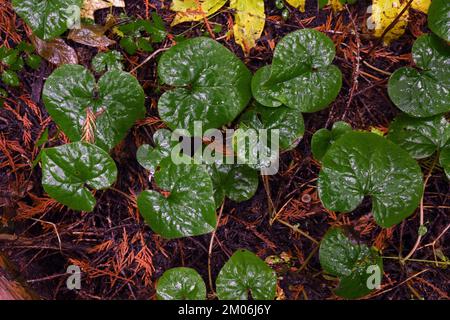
(107, 61)
(68, 171)
(301, 75)
(187, 208)
(47, 18)
(139, 35)
(358, 267)
(360, 164)
(244, 274)
(116, 102)
(439, 18)
(210, 83)
(14, 60)
(423, 92)
(324, 138)
(181, 284)
(422, 137)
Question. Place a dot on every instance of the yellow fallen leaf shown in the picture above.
(249, 22)
(384, 13)
(421, 5)
(194, 10)
(90, 6)
(299, 4)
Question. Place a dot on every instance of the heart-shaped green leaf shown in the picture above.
(352, 262)
(189, 210)
(47, 18)
(105, 61)
(439, 18)
(425, 92)
(421, 137)
(68, 169)
(149, 157)
(181, 284)
(211, 85)
(246, 274)
(237, 182)
(324, 138)
(444, 159)
(116, 101)
(362, 163)
(288, 122)
(301, 75)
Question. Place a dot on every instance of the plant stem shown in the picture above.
(211, 243)
(297, 229)
(419, 237)
(443, 263)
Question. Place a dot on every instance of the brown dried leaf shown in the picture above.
(91, 35)
(56, 51)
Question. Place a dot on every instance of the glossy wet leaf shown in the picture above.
(90, 6)
(243, 274)
(301, 75)
(362, 164)
(210, 83)
(439, 18)
(444, 159)
(181, 284)
(234, 181)
(384, 12)
(249, 20)
(117, 101)
(421, 137)
(106, 61)
(149, 157)
(188, 210)
(423, 91)
(289, 122)
(55, 51)
(194, 10)
(299, 4)
(350, 261)
(324, 138)
(47, 18)
(70, 170)
(10, 78)
(33, 61)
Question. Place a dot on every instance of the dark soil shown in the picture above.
(121, 257)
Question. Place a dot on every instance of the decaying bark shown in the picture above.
(11, 288)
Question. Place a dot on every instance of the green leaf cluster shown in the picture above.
(13, 60)
(242, 275)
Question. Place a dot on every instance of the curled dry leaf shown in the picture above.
(194, 10)
(56, 52)
(91, 35)
(249, 22)
(384, 12)
(90, 6)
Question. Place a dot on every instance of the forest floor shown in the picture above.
(121, 257)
